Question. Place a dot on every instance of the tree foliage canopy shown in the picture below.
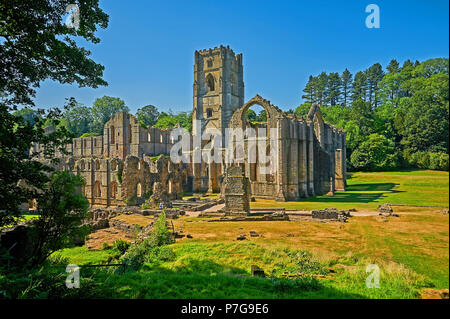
(407, 105)
(36, 45)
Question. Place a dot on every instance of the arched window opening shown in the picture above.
(113, 134)
(252, 160)
(256, 114)
(97, 189)
(210, 83)
(97, 164)
(268, 165)
(113, 189)
(209, 63)
(209, 113)
(114, 165)
(139, 190)
(82, 165)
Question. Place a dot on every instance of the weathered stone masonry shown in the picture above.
(121, 166)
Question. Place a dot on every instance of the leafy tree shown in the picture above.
(303, 109)
(359, 86)
(62, 208)
(147, 115)
(77, 118)
(251, 115)
(334, 88)
(422, 119)
(393, 67)
(375, 154)
(22, 174)
(346, 82)
(36, 45)
(320, 95)
(408, 105)
(104, 108)
(262, 116)
(29, 115)
(362, 113)
(170, 120)
(310, 90)
(374, 75)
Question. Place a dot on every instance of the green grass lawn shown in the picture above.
(412, 251)
(365, 191)
(24, 217)
(83, 256)
(222, 270)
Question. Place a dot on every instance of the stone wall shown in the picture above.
(120, 166)
(237, 191)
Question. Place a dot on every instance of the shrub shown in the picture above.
(375, 154)
(433, 160)
(428, 160)
(121, 246)
(150, 249)
(444, 161)
(305, 263)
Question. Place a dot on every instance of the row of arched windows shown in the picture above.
(112, 134)
(82, 165)
(98, 189)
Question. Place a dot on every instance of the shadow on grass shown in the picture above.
(208, 279)
(366, 193)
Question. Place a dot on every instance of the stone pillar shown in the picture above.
(303, 161)
(311, 191)
(339, 171)
(237, 191)
(344, 157)
(196, 171)
(281, 165)
(292, 169)
(329, 178)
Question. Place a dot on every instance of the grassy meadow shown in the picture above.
(322, 260)
(365, 191)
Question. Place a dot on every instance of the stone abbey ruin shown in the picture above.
(122, 166)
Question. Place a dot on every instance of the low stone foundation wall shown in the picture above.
(129, 229)
(331, 214)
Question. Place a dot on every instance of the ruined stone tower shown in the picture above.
(218, 87)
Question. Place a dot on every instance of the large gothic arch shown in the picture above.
(239, 118)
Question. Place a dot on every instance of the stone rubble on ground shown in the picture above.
(331, 214)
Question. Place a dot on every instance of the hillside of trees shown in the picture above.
(84, 121)
(394, 118)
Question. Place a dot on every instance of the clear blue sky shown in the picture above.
(148, 48)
